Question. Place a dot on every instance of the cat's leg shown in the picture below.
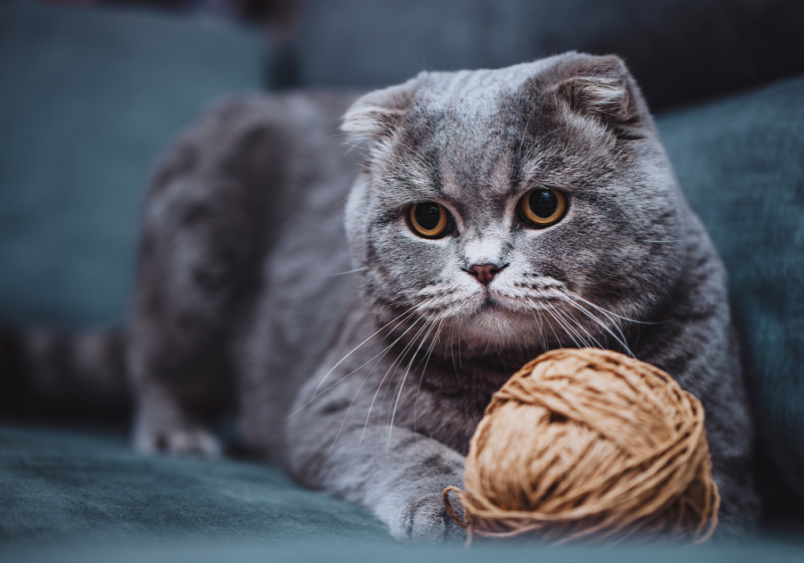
(163, 424)
(396, 473)
(342, 441)
(178, 357)
(196, 277)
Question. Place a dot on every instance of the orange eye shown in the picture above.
(542, 207)
(429, 219)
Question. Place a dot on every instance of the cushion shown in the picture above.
(87, 101)
(58, 485)
(739, 161)
(679, 50)
(84, 496)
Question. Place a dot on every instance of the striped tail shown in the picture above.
(79, 374)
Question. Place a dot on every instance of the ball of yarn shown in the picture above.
(589, 444)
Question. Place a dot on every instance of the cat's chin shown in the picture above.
(500, 327)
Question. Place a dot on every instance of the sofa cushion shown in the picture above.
(85, 496)
(87, 101)
(58, 485)
(740, 161)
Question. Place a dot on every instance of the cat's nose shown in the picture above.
(485, 272)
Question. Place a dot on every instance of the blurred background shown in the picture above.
(678, 49)
(91, 92)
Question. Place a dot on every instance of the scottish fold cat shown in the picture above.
(360, 287)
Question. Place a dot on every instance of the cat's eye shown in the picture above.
(542, 207)
(429, 219)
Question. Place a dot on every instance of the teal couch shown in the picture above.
(89, 98)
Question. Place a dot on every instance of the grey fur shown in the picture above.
(368, 385)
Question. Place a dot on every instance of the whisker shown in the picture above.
(460, 339)
(580, 326)
(550, 311)
(393, 365)
(379, 355)
(605, 313)
(316, 394)
(541, 331)
(401, 385)
(365, 379)
(353, 146)
(552, 328)
(371, 405)
(320, 383)
(602, 310)
(452, 349)
(604, 327)
(354, 398)
(421, 378)
(408, 347)
(568, 323)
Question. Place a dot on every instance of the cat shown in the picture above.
(361, 297)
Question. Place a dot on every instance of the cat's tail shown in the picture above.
(73, 373)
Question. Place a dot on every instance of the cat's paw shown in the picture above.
(424, 519)
(185, 440)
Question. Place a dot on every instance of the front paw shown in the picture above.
(423, 519)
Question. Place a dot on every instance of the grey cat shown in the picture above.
(360, 303)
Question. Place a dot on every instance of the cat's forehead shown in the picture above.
(476, 94)
(468, 128)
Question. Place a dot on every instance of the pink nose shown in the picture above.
(484, 272)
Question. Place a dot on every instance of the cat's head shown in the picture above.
(514, 207)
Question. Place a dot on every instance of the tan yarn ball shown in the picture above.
(589, 444)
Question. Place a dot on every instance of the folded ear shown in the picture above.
(600, 87)
(377, 114)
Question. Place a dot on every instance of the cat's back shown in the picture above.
(272, 153)
(289, 138)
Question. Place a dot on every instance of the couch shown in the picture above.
(88, 98)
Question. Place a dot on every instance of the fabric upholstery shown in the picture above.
(85, 496)
(58, 485)
(739, 160)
